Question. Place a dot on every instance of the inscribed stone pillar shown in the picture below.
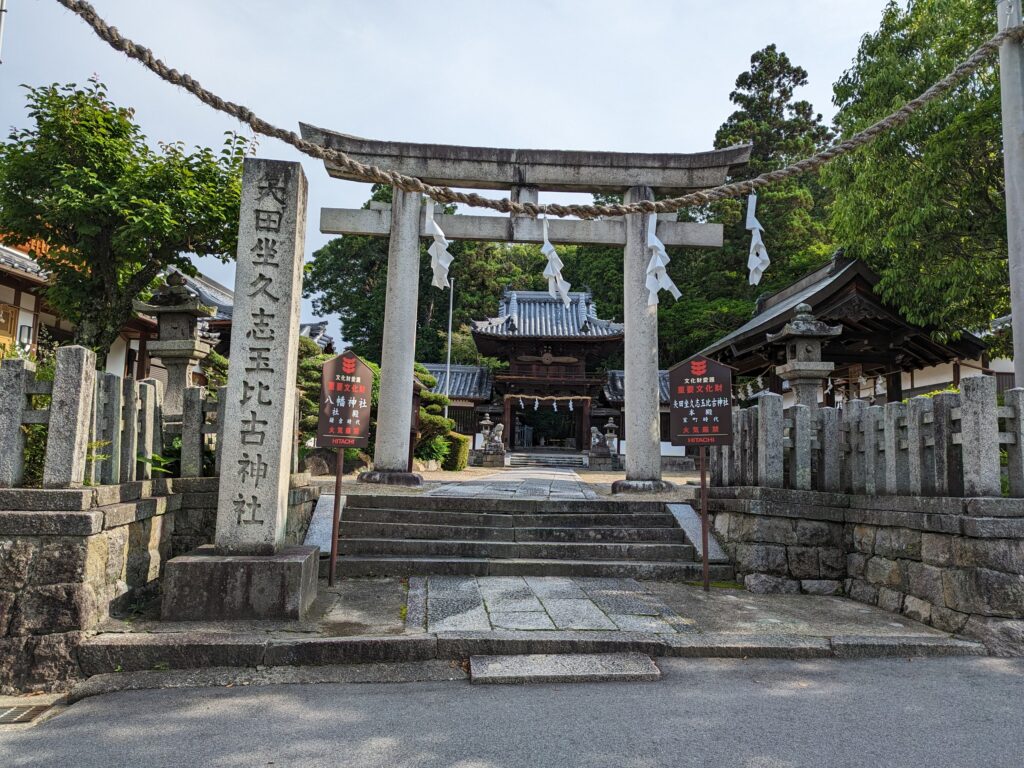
(642, 398)
(67, 441)
(259, 399)
(394, 409)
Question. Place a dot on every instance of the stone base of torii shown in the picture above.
(525, 173)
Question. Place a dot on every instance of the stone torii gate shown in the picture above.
(525, 173)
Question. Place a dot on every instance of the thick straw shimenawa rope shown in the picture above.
(373, 174)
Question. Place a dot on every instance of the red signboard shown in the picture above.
(345, 388)
(701, 402)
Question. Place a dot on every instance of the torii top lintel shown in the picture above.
(554, 170)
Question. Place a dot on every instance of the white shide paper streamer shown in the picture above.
(440, 259)
(758, 260)
(657, 277)
(557, 287)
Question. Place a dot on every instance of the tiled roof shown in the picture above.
(615, 387)
(212, 294)
(536, 314)
(20, 262)
(469, 382)
(317, 331)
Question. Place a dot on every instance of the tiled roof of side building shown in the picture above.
(615, 387)
(469, 382)
(15, 260)
(537, 314)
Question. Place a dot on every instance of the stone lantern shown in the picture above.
(802, 337)
(178, 344)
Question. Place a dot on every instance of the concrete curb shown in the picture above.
(113, 653)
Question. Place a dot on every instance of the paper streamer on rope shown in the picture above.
(440, 259)
(657, 277)
(557, 287)
(758, 260)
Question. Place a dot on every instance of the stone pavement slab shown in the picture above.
(630, 623)
(577, 614)
(525, 620)
(564, 668)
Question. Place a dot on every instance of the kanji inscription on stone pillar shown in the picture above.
(259, 400)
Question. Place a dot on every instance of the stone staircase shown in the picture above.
(423, 535)
(572, 460)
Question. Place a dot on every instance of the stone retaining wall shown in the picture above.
(956, 564)
(70, 558)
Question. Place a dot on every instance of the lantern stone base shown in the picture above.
(206, 586)
(492, 460)
(641, 486)
(384, 477)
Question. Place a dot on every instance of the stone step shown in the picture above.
(563, 668)
(365, 565)
(386, 530)
(641, 552)
(356, 513)
(515, 506)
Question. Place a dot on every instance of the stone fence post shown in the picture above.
(1013, 398)
(830, 450)
(852, 474)
(979, 436)
(920, 449)
(800, 461)
(769, 441)
(897, 464)
(949, 478)
(129, 429)
(13, 402)
(192, 418)
(70, 411)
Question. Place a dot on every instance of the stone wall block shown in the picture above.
(883, 572)
(864, 538)
(895, 543)
(71, 411)
(937, 549)
(764, 584)
(832, 563)
(984, 591)
(13, 402)
(916, 609)
(998, 554)
(856, 565)
(71, 559)
(52, 608)
(979, 436)
(16, 558)
(925, 581)
(803, 562)
(761, 558)
(890, 599)
(812, 533)
(1001, 637)
(821, 587)
(863, 592)
(947, 619)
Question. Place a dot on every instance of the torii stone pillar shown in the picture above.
(642, 417)
(398, 353)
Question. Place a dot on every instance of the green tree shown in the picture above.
(924, 204)
(104, 213)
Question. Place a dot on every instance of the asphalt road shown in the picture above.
(746, 714)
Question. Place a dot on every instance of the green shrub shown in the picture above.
(435, 449)
(458, 452)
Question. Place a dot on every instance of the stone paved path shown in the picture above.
(527, 483)
(539, 603)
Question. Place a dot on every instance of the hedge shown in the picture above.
(458, 455)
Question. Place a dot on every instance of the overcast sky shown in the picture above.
(650, 76)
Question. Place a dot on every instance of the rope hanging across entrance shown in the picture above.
(374, 174)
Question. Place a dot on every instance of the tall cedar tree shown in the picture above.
(924, 204)
(716, 295)
(104, 213)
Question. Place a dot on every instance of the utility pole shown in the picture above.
(1011, 81)
(448, 362)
